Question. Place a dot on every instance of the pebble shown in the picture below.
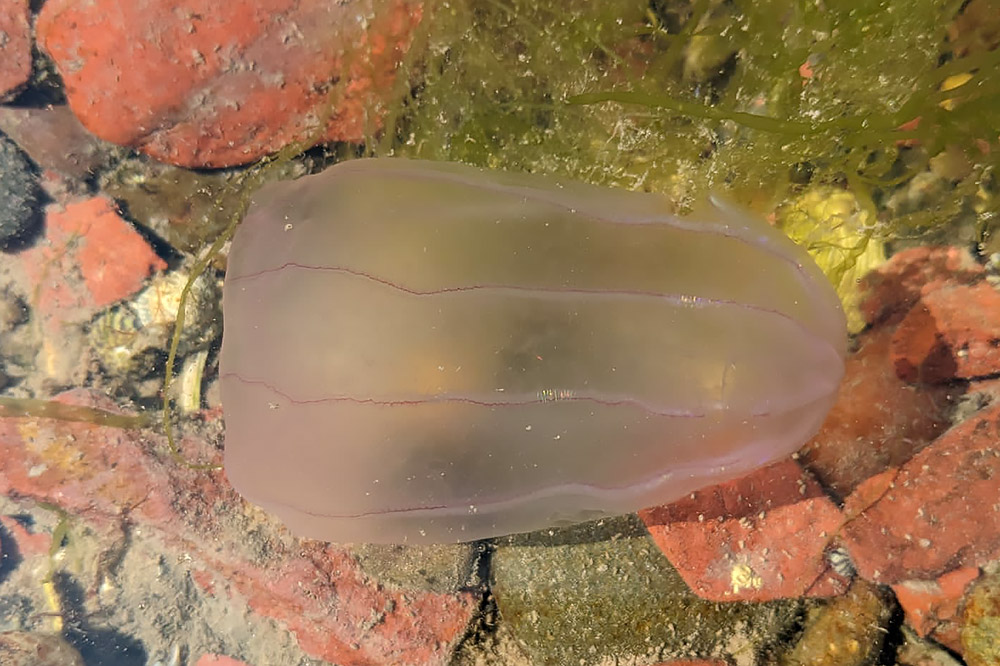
(20, 215)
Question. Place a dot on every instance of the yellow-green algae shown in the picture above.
(980, 633)
(835, 227)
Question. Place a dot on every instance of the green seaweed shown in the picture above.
(51, 409)
(602, 91)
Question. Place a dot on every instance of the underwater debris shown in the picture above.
(23, 648)
(129, 338)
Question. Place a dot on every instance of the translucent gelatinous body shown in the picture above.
(425, 352)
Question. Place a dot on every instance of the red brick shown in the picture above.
(90, 240)
(199, 83)
(219, 660)
(757, 538)
(952, 332)
(932, 606)
(878, 421)
(27, 543)
(15, 45)
(938, 512)
(893, 288)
